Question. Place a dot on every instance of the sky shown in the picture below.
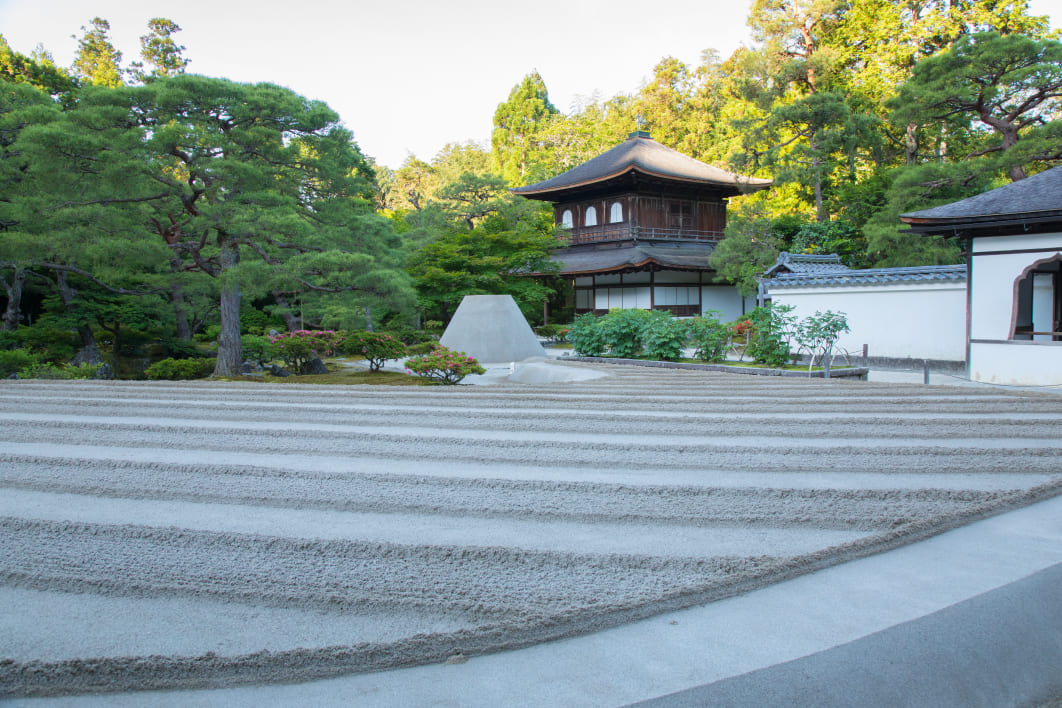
(409, 76)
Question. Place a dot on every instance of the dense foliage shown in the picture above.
(142, 207)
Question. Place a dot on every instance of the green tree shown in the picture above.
(493, 258)
(793, 36)
(1009, 83)
(258, 171)
(750, 247)
(160, 52)
(515, 145)
(97, 62)
(38, 70)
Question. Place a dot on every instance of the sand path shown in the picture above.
(204, 534)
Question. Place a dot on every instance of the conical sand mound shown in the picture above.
(492, 329)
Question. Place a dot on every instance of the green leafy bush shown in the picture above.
(444, 365)
(257, 349)
(663, 337)
(709, 337)
(587, 335)
(770, 334)
(45, 370)
(253, 321)
(13, 361)
(622, 330)
(298, 348)
(409, 337)
(210, 334)
(374, 347)
(179, 349)
(180, 369)
(50, 343)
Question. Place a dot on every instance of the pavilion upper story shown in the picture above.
(641, 190)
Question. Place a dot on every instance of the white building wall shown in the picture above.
(726, 300)
(918, 320)
(994, 357)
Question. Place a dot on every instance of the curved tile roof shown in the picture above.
(869, 276)
(1036, 197)
(640, 153)
(688, 257)
(806, 263)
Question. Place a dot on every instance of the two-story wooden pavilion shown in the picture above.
(643, 220)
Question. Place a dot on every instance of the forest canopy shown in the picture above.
(142, 202)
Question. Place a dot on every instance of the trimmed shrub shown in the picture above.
(423, 348)
(180, 369)
(444, 365)
(374, 347)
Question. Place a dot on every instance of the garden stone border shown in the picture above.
(858, 372)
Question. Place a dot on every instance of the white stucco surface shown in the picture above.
(917, 320)
(992, 307)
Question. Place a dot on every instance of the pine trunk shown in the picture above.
(14, 300)
(89, 352)
(911, 144)
(184, 329)
(229, 353)
(290, 320)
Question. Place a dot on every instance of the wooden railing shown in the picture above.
(626, 232)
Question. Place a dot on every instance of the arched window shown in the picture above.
(591, 217)
(615, 215)
(566, 219)
(1037, 312)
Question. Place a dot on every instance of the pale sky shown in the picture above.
(409, 76)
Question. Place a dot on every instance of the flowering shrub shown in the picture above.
(374, 347)
(444, 365)
(298, 348)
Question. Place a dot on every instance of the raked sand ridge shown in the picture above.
(205, 534)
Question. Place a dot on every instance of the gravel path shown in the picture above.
(206, 534)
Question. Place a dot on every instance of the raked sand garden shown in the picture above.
(165, 535)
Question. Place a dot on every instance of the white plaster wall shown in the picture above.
(992, 279)
(725, 299)
(920, 320)
(1017, 363)
(992, 310)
